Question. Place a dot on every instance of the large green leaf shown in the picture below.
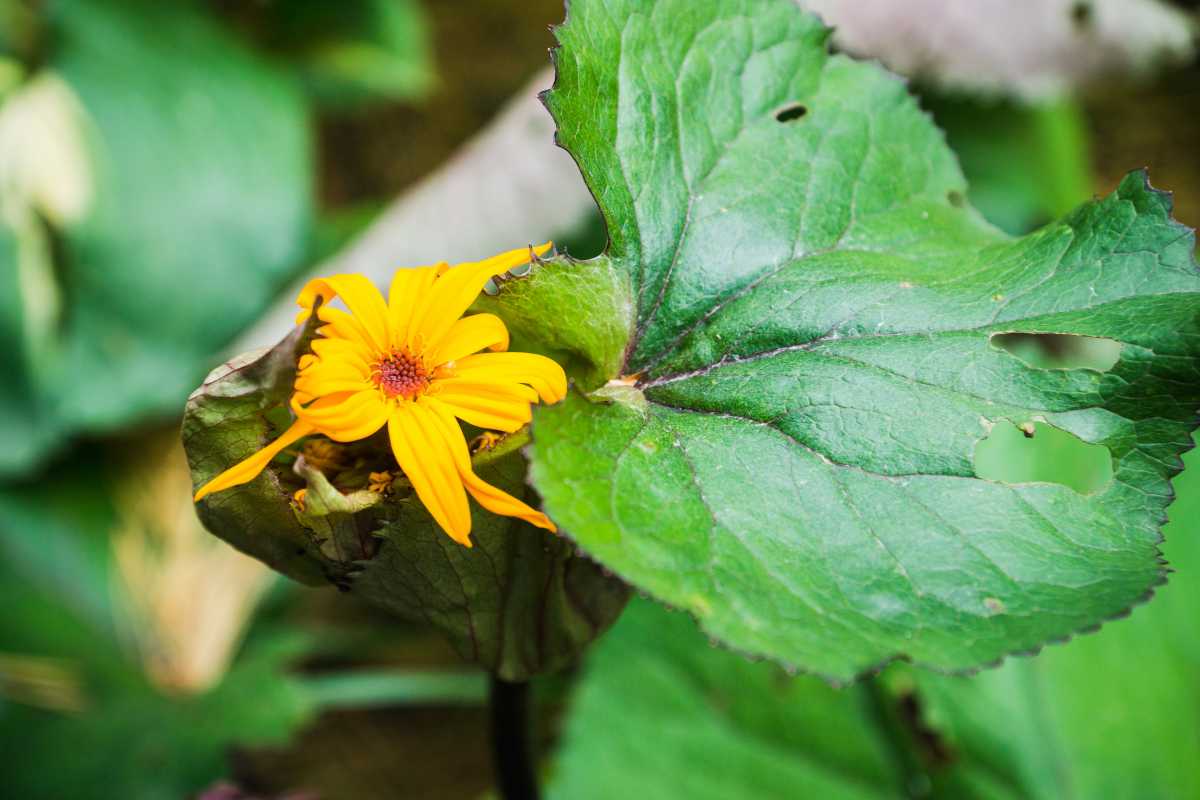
(814, 361)
(1115, 715)
(192, 212)
(662, 714)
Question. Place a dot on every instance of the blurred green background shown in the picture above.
(167, 170)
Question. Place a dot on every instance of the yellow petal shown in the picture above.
(506, 415)
(454, 291)
(429, 465)
(344, 327)
(328, 376)
(543, 374)
(345, 416)
(321, 385)
(486, 389)
(469, 335)
(361, 297)
(248, 470)
(357, 352)
(495, 500)
(408, 291)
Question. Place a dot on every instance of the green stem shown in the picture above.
(365, 688)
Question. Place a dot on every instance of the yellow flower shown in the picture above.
(413, 364)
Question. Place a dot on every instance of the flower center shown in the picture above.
(401, 375)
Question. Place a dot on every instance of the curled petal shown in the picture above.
(424, 457)
(345, 350)
(345, 416)
(341, 326)
(361, 297)
(469, 335)
(247, 470)
(336, 368)
(330, 376)
(320, 386)
(495, 500)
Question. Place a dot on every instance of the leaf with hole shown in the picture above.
(787, 449)
(1111, 715)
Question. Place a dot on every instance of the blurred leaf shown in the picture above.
(24, 430)
(1114, 715)
(54, 544)
(354, 52)
(135, 743)
(790, 453)
(662, 713)
(1034, 49)
(195, 210)
(1025, 164)
(77, 669)
(20, 30)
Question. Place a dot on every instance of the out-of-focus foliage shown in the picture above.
(1026, 164)
(87, 669)
(663, 713)
(1029, 47)
(122, 642)
(127, 739)
(151, 209)
(347, 53)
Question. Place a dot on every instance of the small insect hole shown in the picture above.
(791, 113)
(956, 199)
(1060, 350)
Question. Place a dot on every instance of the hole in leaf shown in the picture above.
(1037, 452)
(791, 113)
(955, 198)
(1060, 350)
(1081, 14)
